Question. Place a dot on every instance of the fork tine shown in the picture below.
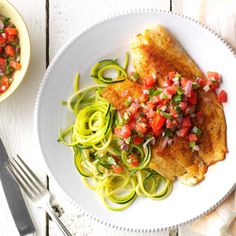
(10, 168)
(31, 172)
(28, 177)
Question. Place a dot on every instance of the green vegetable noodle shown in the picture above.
(98, 156)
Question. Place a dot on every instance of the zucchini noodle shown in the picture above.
(97, 150)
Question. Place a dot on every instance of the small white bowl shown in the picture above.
(7, 10)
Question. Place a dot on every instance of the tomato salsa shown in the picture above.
(168, 111)
(9, 52)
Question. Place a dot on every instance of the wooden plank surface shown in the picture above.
(66, 19)
(17, 112)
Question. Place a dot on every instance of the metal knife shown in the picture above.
(14, 197)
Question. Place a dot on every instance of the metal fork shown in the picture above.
(34, 189)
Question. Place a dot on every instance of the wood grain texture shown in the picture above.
(16, 122)
(66, 19)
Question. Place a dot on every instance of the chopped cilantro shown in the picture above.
(167, 133)
(166, 115)
(195, 85)
(5, 20)
(177, 75)
(196, 131)
(191, 144)
(127, 102)
(180, 91)
(177, 99)
(111, 161)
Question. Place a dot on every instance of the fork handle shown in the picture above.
(54, 217)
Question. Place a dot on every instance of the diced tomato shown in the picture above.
(2, 64)
(149, 82)
(213, 84)
(171, 90)
(134, 161)
(173, 112)
(150, 105)
(11, 38)
(132, 123)
(171, 75)
(157, 123)
(141, 127)
(2, 40)
(171, 124)
(168, 82)
(193, 97)
(4, 84)
(216, 76)
(11, 31)
(186, 122)
(222, 96)
(116, 168)
(192, 137)
(123, 132)
(143, 98)
(201, 82)
(1, 50)
(137, 140)
(10, 51)
(183, 132)
(183, 106)
(15, 65)
(183, 81)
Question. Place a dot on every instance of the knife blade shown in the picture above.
(14, 197)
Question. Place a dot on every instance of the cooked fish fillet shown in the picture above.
(156, 51)
(118, 93)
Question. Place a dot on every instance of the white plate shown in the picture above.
(110, 39)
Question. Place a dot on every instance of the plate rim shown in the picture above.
(36, 120)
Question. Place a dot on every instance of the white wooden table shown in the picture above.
(51, 24)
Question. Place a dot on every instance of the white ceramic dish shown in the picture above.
(8, 10)
(110, 39)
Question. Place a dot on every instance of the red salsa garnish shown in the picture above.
(9, 52)
(167, 111)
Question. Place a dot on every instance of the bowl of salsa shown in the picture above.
(14, 49)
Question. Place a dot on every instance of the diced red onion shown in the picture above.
(206, 88)
(4, 35)
(165, 142)
(178, 132)
(163, 108)
(188, 88)
(179, 119)
(1, 24)
(136, 101)
(170, 141)
(18, 59)
(192, 115)
(151, 140)
(196, 148)
(145, 91)
(120, 141)
(18, 51)
(124, 146)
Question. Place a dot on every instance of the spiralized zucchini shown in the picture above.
(97, 149)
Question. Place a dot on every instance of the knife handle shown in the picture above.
(16, 203)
